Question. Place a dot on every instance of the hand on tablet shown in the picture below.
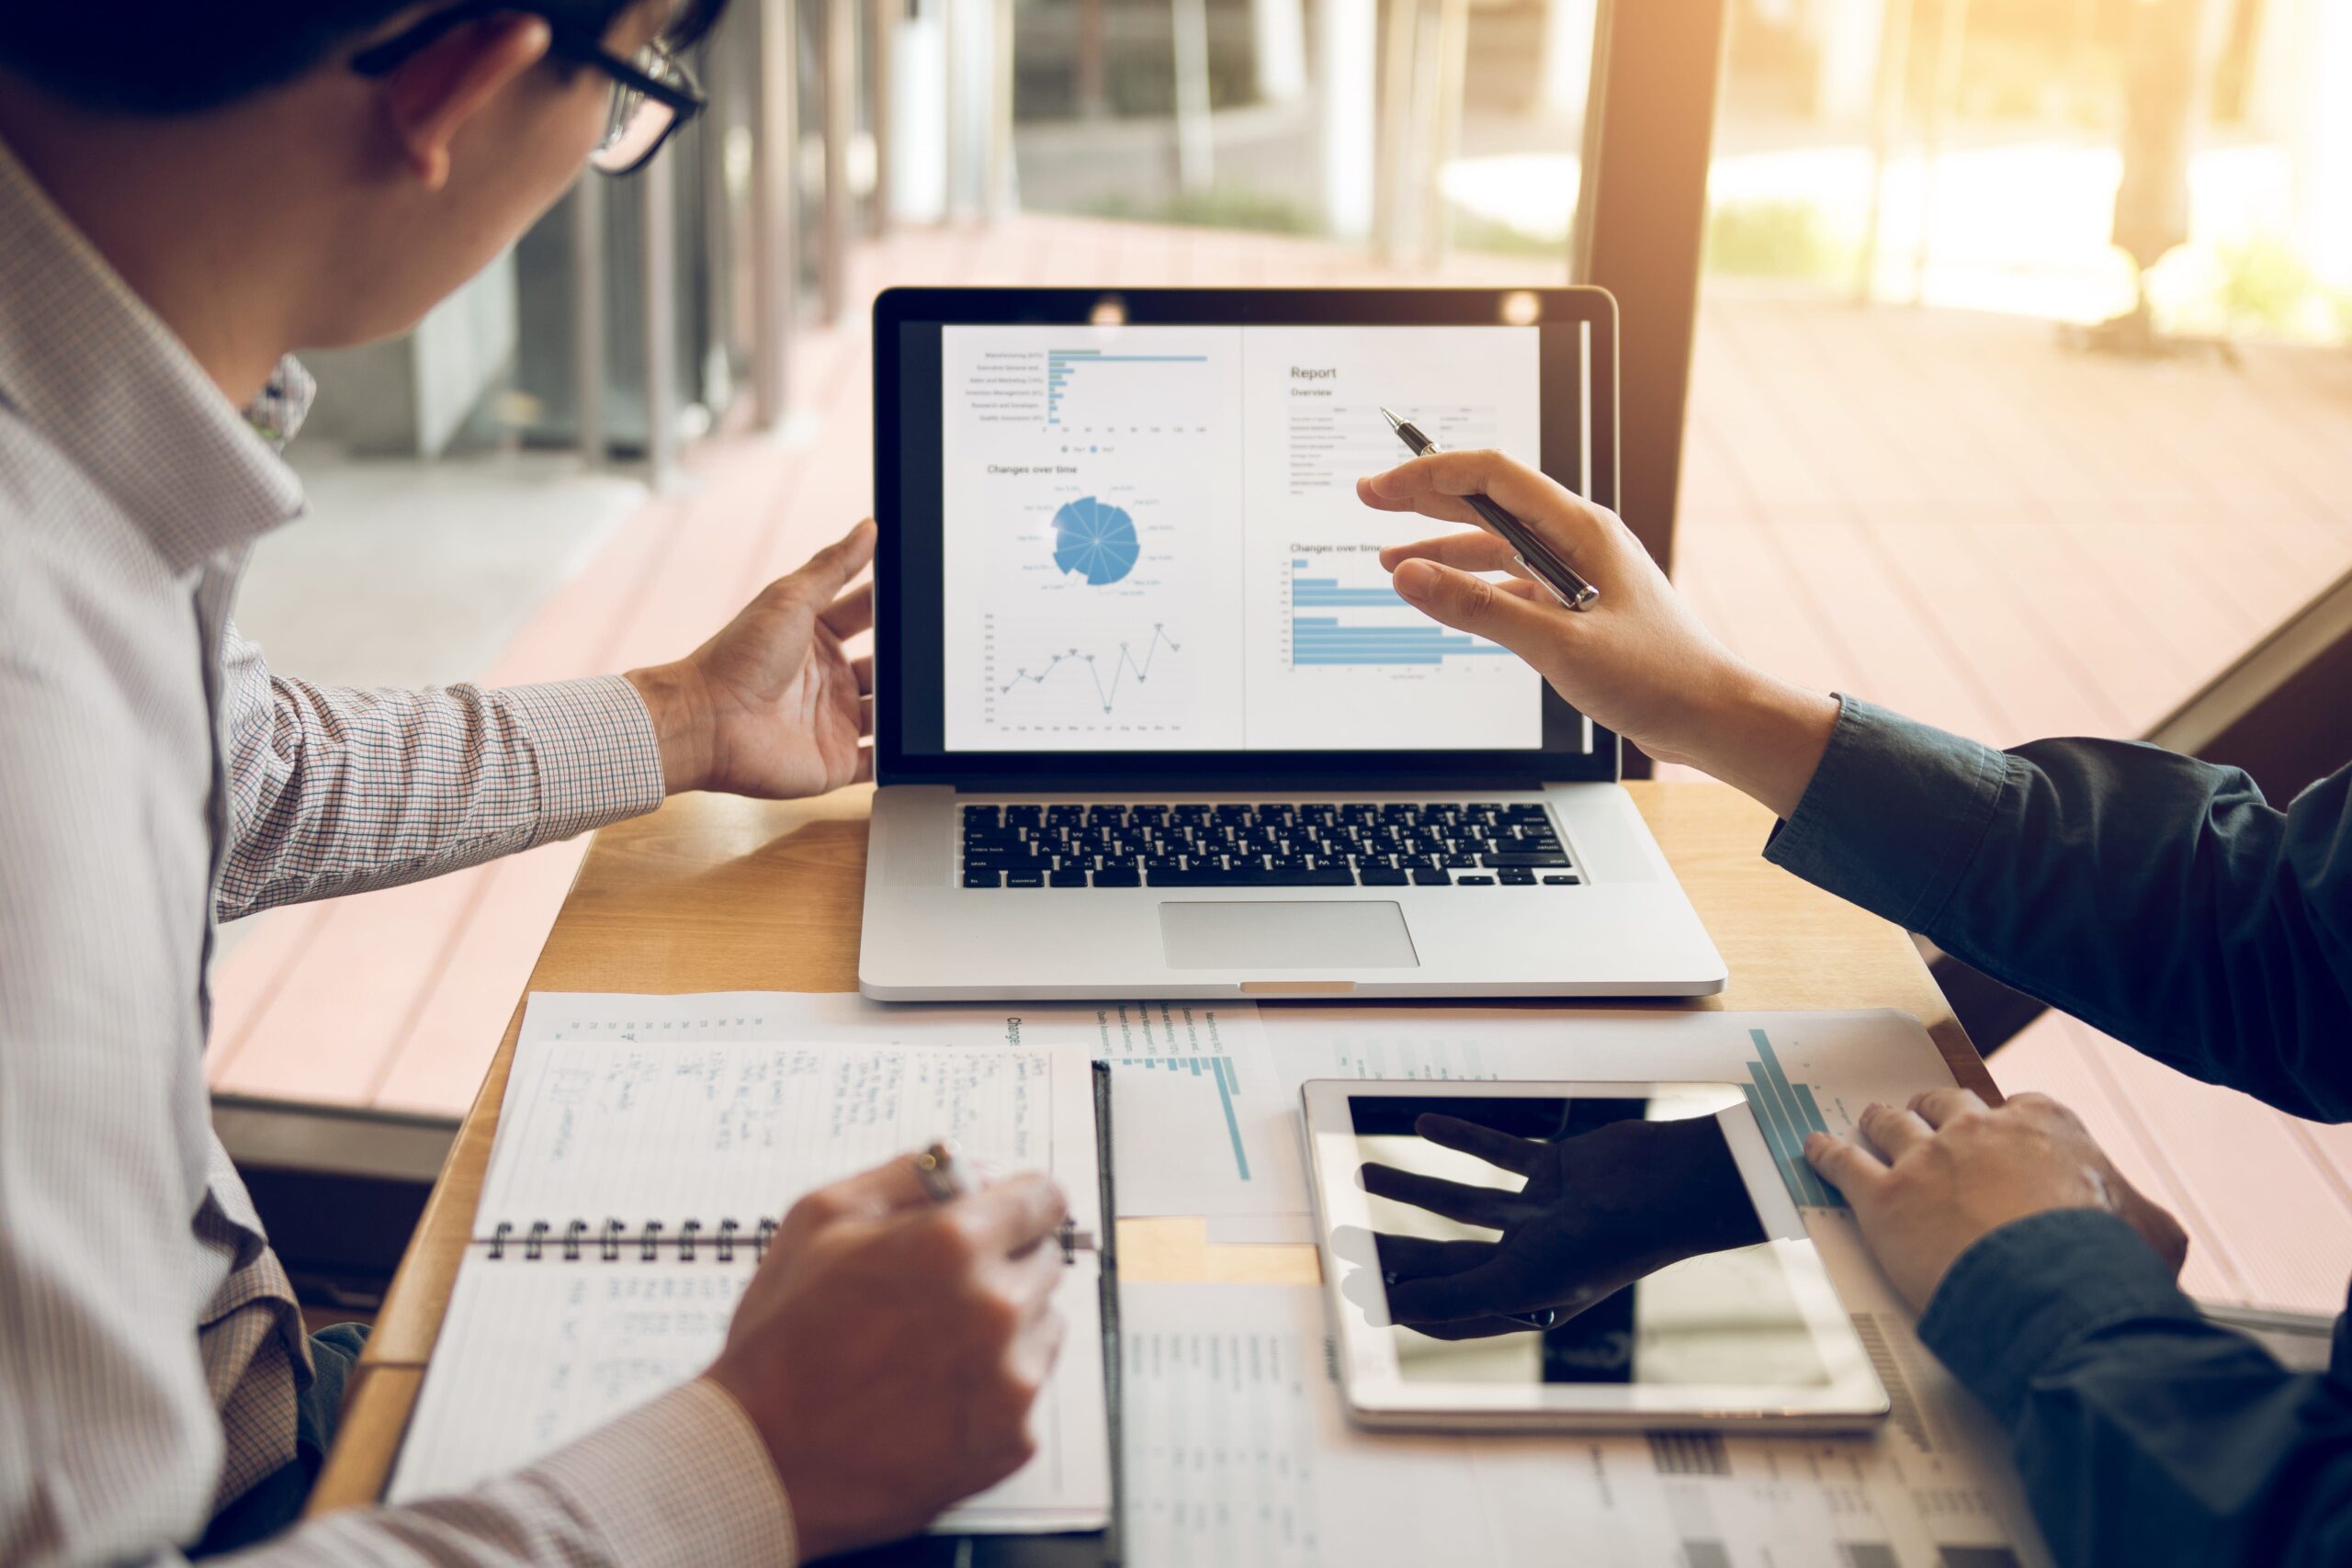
(1939, 1175)
(1598, 1210)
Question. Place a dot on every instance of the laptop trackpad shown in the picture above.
(1307, 934)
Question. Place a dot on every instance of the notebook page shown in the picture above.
(533, 1354)
(674, 1130)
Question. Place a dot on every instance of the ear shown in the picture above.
(436, 90)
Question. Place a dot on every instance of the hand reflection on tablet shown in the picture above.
(1599, 1210)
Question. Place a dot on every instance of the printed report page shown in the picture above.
(1153, 540)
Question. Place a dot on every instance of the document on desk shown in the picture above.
(1090, 1031)
(1236, 1455)
(1802, 1071)
(625, 1208)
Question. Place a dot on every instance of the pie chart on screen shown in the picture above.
(1095, 539)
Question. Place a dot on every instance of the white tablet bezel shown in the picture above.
(1375, 1393)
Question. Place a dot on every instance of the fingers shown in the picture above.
(1474, 604)
(850, 614)
(1847, 1165)
(1452, 1200)
(1411, 1257)
(863, 668)
(1939, 1106)
(868, 1195)
(1473, 549)
(1038, 1347)
(1496, 1287)
(1014, 1214)
(829, 569)
(1895, 1132)
(1519, 1156)
(1428, 503)
(1471, 473)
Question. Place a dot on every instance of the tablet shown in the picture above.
(1572, 1255)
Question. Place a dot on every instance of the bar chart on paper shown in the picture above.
(1209, 1075)
(1337, 621)
(1788, 1113)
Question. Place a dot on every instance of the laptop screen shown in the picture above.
(1153, 540)
(1148, 539)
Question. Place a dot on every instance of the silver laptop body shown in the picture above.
(1148, 721)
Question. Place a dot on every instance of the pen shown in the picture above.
(1542, 562)
(942, 1175)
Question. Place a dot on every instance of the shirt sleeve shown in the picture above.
(683, 1481)
(335, 790)
(2144, 1434)
(2156, 897)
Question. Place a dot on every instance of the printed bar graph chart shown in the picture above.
(1787, 1112)
(1219, 1071)
(1061, 363)
(1320, 638)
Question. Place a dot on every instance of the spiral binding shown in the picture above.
(690, 1237)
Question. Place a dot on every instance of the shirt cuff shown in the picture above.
(683, 1480)
(2026, 1295)
(597, 757)
(1893, 814)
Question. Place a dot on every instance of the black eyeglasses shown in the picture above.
(652, 95)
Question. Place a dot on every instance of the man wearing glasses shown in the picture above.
(186, 193)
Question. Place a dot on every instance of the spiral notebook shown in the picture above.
(633, 1187)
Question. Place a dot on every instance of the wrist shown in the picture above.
(1761, 735)
(678, 703)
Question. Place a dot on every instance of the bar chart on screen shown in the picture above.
(1364, 624)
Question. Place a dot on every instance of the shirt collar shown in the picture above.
(91, 368)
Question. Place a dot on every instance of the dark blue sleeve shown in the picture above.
(2144, 1434)
(2156, 897)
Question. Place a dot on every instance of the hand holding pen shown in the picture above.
(1638, 662)
(944, 1175)
(1529, 550)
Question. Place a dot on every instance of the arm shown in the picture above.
(2157, 897)
(336, 791)
(111, 1445)
(2144, 1434)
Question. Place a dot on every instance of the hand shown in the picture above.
(1948, 1171)
(771, 705)
(889, 1347)
(1599, 1210)
(1637, 662)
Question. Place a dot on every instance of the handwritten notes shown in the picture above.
(673, 1130)
(534, 1355)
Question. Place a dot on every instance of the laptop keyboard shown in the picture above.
(1314, 844)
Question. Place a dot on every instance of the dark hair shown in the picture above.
(164, 57)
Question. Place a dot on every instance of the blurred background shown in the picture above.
(1983, 357)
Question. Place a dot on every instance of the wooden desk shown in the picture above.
(716, 894)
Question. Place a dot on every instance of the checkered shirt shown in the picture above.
(156, 776)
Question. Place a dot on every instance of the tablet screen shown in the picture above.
(1572, 1240)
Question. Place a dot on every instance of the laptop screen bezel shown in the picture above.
(908, 411)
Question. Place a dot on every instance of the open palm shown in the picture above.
(786, 710)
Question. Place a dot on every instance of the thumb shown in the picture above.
(1472, 603)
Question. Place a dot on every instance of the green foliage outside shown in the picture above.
(1220, 207)
(1772, 239)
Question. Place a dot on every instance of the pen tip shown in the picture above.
(1393, 421)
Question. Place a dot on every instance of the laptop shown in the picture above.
(1149, 720)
